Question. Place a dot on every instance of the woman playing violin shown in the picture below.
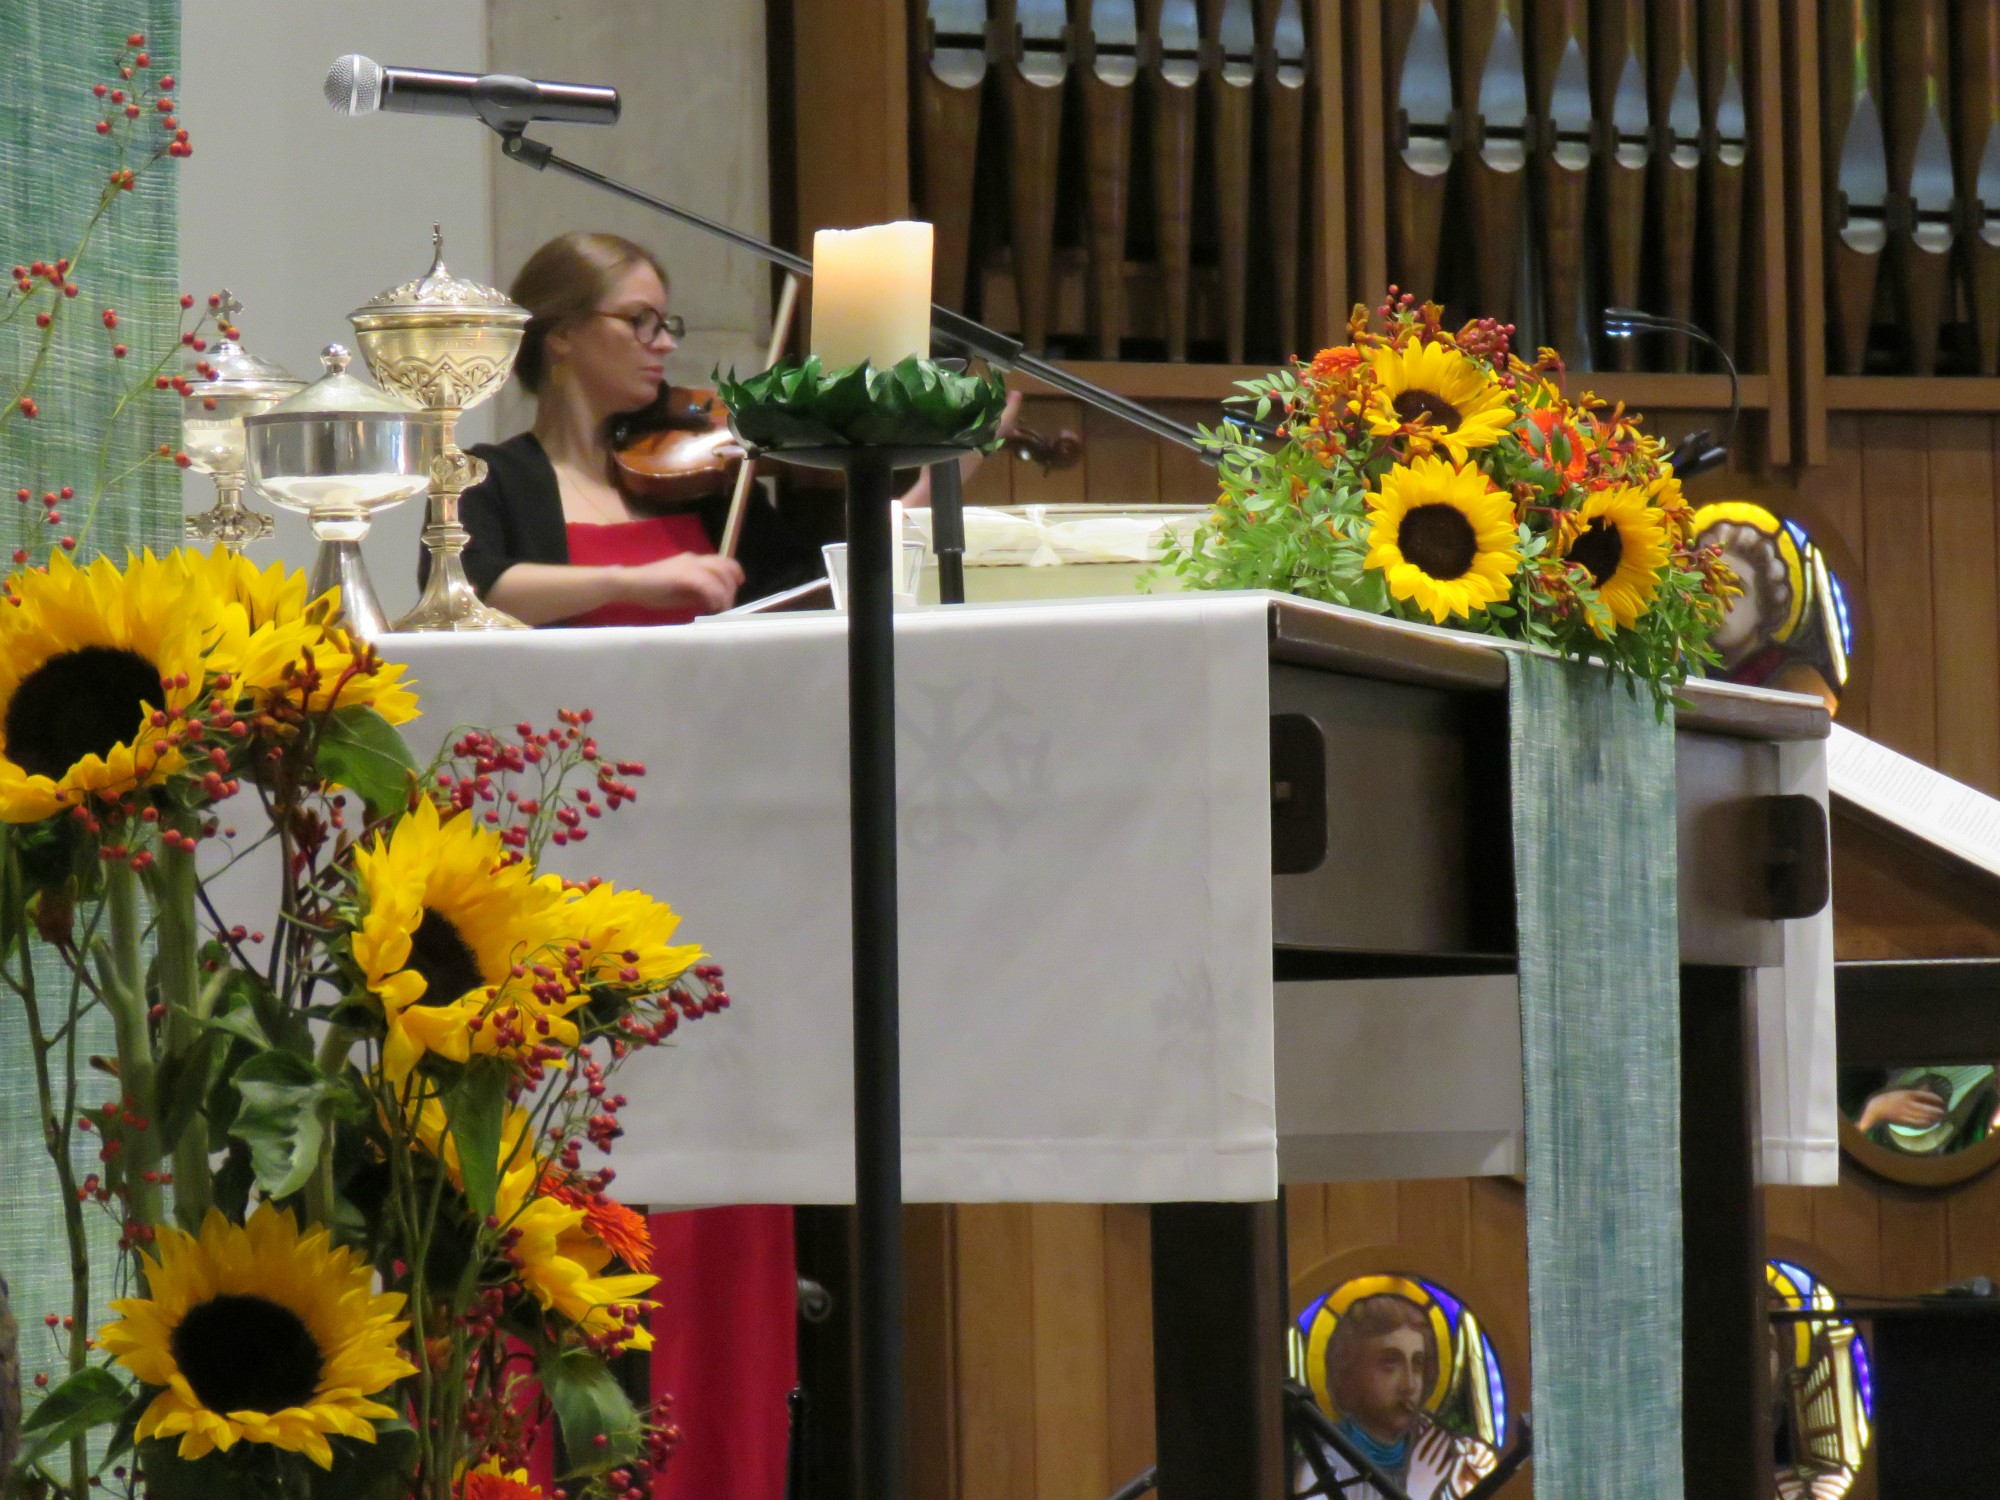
(557, 536)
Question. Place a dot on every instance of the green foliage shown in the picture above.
(364, 752)
(917, 403)
(287, 1104)
(589, 1404)
(92, 1397)
(361, 1471)
(475, 1110)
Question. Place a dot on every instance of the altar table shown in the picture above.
(1145, 848)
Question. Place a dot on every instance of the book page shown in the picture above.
(1915, 798)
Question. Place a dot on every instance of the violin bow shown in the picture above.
(781, 332)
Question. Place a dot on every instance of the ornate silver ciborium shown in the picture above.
(212, 416)
(338, 451)
(447, 344)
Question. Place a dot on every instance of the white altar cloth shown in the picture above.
(1088, 1006)
(1085, 886)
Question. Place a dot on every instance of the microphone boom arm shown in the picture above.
(971, 338)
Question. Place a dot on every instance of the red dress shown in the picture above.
(725, 1338)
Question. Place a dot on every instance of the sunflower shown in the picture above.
(258, 1334)
(1623, 547)
(490, 1482)
(276, 631)
(1444, 537)
(445, 923)
(86, 656)
(627, 938)
(558, 1261)
(1439, 396)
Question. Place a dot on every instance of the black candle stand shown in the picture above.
(878, 1100)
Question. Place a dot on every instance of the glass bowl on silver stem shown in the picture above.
(338, 452)
(240, 385)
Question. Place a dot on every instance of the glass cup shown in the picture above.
(903, 584)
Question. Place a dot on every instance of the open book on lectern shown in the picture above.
(1913, 798)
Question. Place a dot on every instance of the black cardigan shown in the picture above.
(515, 515)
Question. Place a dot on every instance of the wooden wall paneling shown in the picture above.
(1917, 81)
(1109, 60)
(930, 1340)
(1854, 174)
(1902, 709)
(1282, 53)
(1976, 95)
(1725, 148)
(1559, 84)
(1033, 82)
(1624, 121)
(1804, 290)
(1966, 621)
(1173, 41)
(1367, 153)
(1422, 120)
(1360, 1213)
(1498, 1234)
(1331, 282)
(1493, 85)
(1914, 1249)
(995, 1315)
(1849, 1215)
(1121, 465)
(1072, 1415)
(1897, 903)
(1788, 1213)
(1972, 1229)
(1230, 62)
(850, 63)
(1675, 99)
(992, 483)
(1434, 1217)
(1184, 478)
(951, 78)
(1128, 1329)
(1306, 1241)
(1770, 241)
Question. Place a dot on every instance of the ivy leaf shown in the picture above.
(475, 1111)
(364, 752)
(915, 403)
(282, 1119)
(90, 1398)
(589, 1403)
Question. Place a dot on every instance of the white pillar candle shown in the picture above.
(871, 295)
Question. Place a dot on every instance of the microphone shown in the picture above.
(1695, 453)
(357, 85)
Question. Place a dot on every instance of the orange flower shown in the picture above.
(487, 1482)
(619, 1229)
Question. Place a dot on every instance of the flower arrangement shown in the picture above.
(359, 1249)
(1432, 476)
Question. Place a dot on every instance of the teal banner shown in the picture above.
(1594, 854)
(96, 428)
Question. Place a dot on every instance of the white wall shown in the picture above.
(304, 214)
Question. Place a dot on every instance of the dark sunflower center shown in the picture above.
(1429, 407)
(1438, 539)
(445, 960)
(76, 704)
(1598, 551)
(247, 1354)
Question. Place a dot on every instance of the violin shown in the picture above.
(683, 453)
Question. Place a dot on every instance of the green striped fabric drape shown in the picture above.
(52, 165)
(1594, 840)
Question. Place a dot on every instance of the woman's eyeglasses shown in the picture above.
(647, 324)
